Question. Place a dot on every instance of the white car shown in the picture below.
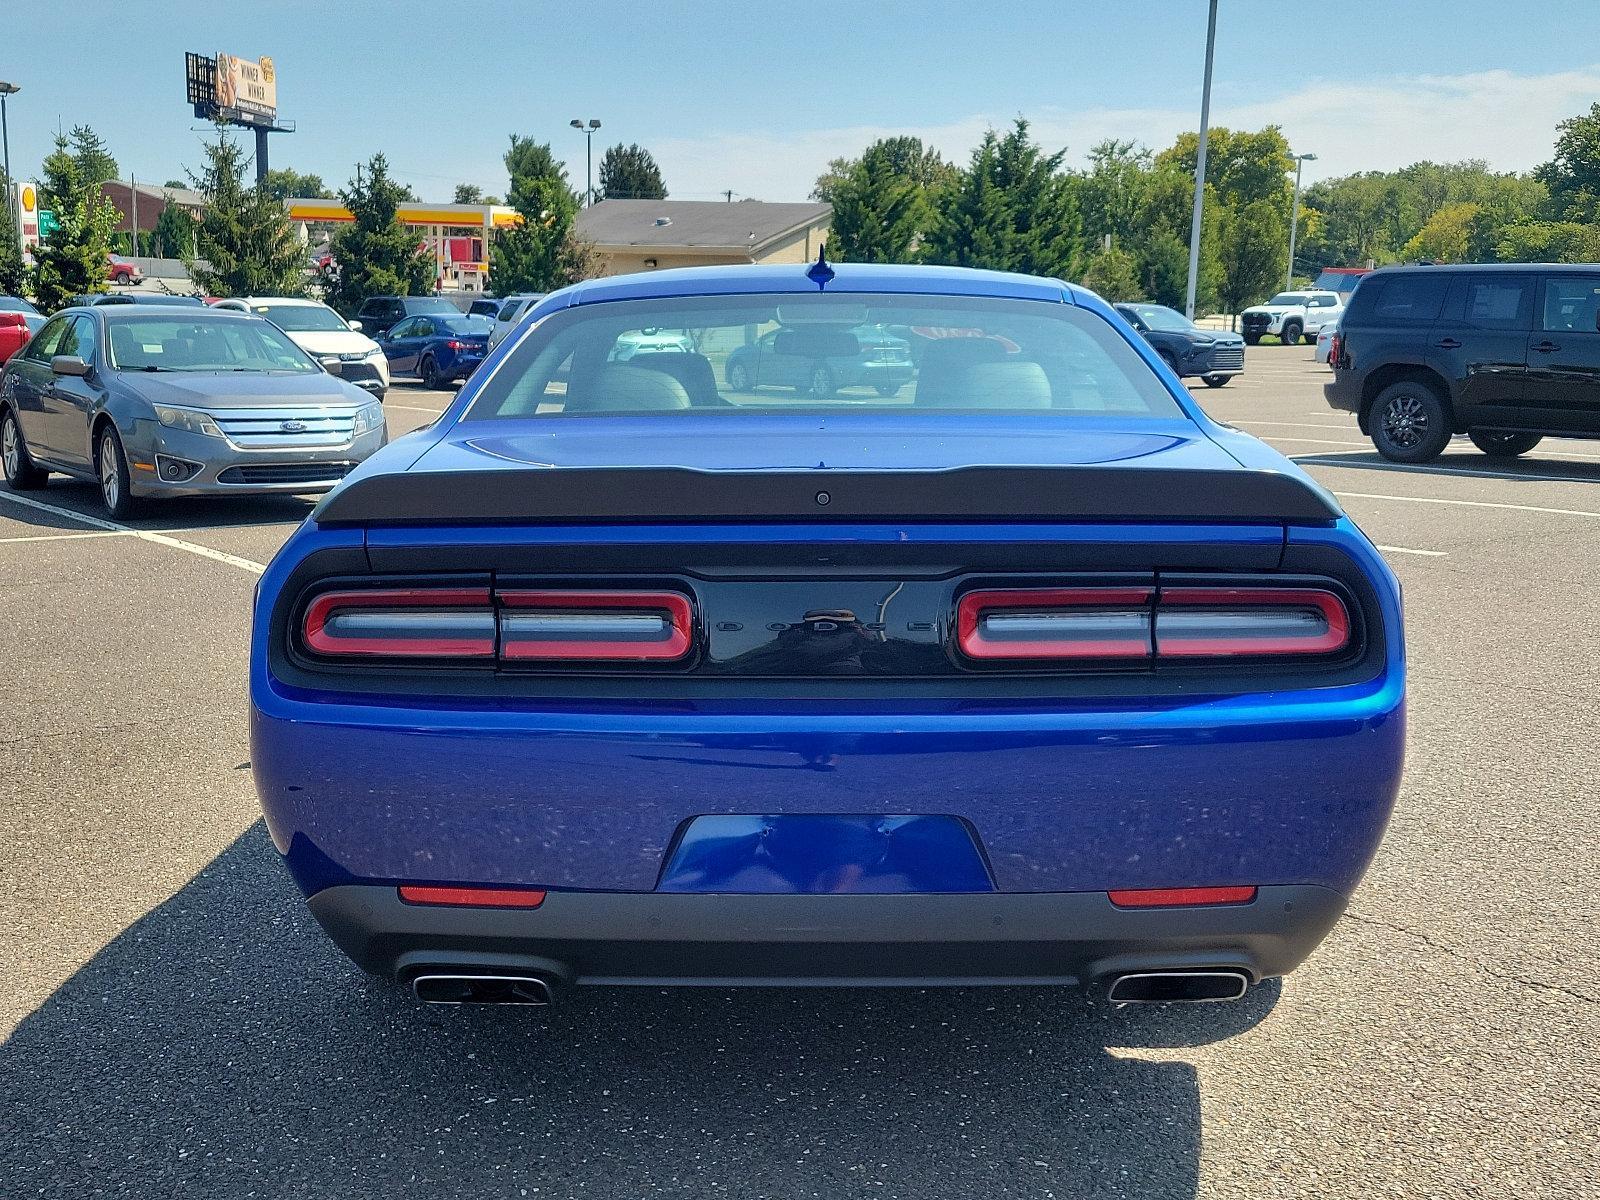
(323, 334)
(1289, 316)
(1325, 337)
(512, 310)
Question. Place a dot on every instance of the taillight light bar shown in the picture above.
(510, 625)
(1137, 624)
(1190, 897)
(607, 626)
(402, 623)
(471, 897)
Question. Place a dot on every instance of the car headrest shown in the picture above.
(1002, 385)
(943, 361)
(693, 371)
(124, 345)
(617, 388)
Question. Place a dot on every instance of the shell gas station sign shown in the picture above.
(27, 213)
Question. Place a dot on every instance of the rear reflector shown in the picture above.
(1238, 622)
(471, 897)
(1181, 897)
(402, 623)
(1055, 623)
(595, 626)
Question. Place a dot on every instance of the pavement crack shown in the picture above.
(1452, 952)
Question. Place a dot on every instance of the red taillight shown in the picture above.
(1248, 622)
(1055, 623)
(402, 623)
(471, 897)
(1181, 897)
(595, 626)
(454, 345)
(1333, 350)
(1142, 623)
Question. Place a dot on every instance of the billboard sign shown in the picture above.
(247, 88)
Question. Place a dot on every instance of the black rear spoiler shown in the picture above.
(564, 495)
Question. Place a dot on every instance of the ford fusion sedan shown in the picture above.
(437, 348)
(1030, 672)
(323, 334)
(151, 401)
(1215, 356)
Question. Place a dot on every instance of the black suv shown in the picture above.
(379, 314)
(1505, 353)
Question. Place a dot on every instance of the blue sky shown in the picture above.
(757, 97)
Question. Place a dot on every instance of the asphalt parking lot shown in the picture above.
(177, 1025)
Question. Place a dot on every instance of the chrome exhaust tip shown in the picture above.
(1178, 987)
(439, 988)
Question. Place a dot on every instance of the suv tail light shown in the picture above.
(1136, 624)
(511, 625)
(1334, 344)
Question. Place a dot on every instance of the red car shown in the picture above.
(19, 321)
(123, 271)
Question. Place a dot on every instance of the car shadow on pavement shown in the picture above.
(195, 512)
(220, 1046)
(1531, 466)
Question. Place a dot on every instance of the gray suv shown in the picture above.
(163, 401)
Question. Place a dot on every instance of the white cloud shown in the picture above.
(1506, 118)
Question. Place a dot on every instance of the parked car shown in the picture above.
(1214, 355)
(124, 270)
(610, 676)
(819, 362)
(142, 298)
(150, 401)
(1506, 353)
(649, 341)
(322, 333)
(19, 321)
(484, 306)
(1325, 337)
(1288, 315)
(512, 310)
(380, 313)
(436, 348)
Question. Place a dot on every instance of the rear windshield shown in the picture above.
(465, 326)
(173, 342)
(301, 318)
(837, 352)
(431, 305)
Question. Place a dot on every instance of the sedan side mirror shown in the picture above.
(354, 324)
(69, 364)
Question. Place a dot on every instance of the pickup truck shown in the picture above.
(1289, 316)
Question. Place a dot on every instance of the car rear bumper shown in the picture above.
(1343, 392)
(718, 939)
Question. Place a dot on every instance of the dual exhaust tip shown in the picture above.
(1144, 987)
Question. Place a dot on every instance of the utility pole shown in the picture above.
(729, 195)
(1294, 219)
(133, 219)
(1200, 165)
(588, 132)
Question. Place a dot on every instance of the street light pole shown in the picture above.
(1200, 165)
(588, 132)
(8, 89)
(1294, 219)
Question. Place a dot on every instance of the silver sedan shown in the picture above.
(152, 402)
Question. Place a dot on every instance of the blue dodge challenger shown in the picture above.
(1027, 672)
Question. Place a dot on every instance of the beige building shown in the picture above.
(649, 235)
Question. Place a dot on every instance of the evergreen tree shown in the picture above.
(13, 272)
(95, 163)
(175, 230)
(878, 216)
(72, 260)
(1114, 276)
(1013, 210)
(543, 252)
(630, 173)
(376, 255)
(247, 245)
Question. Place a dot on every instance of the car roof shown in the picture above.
(127, 312)
(1488, 268)
(847, 278)
(300, 301)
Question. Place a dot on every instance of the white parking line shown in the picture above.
(1305, 441)
(1562, 512)
(432, 412)
(1294, 425)
(144, 535)
(1409, 550)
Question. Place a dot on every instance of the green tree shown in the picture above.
(878, 216)
(13, 271)
(543, 252)
(906, 156)
(95, 163)
(1111, 191)
(71, 260)
(247, 245)
(283, 183)
(1549, 241)
(1114, 275)
(1252, 253)
(630, 173)
(174, 230)
(471, 193)
(1012, 210)
(1573, 173)
(376, 255)
(1447, 234)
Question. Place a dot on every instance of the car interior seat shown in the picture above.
(691, 370)
(617, 388)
